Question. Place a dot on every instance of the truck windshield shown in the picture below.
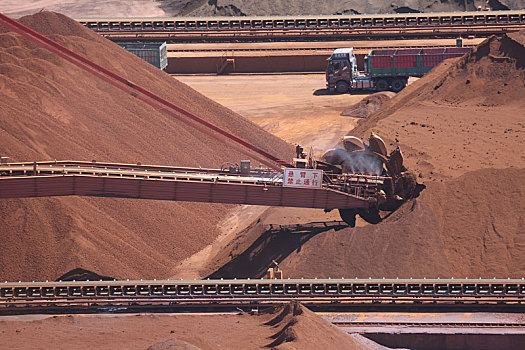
(337, 65)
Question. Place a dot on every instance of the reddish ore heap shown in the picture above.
(50, 109)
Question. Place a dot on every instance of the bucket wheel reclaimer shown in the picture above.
(370, 157)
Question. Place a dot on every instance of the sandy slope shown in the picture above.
(49, 109)
(313, 7)
(151, 8)
(464, 115)
(288, 327)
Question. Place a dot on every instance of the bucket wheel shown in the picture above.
(386, 180)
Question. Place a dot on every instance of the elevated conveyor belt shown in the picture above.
(493, 293)
(336, 27)
(443, 19)
(265, 287)
(258, 187)
(269, 35)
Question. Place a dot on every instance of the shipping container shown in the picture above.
(154, 53)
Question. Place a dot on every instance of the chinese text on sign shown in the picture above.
(305, 178)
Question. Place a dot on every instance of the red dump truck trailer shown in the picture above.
(384, 69)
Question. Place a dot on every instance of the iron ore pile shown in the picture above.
(285, 327)
(327, 7)
(50, 109)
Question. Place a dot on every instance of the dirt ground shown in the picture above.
(135, 331)
(288, 327)
(294, 107)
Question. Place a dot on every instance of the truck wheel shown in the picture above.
(341, 87)
(398, 85)
(381, 85)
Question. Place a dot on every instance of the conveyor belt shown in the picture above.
(421, 25)
(314, 292)
(258, 176)
(309, 35)
(394, 321)
(259, 187)
(432, 324)
(309, 22)
(476, 288)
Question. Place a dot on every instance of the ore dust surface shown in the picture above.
(50, 109)
(290, 326)
(294, 107)
(460, 127)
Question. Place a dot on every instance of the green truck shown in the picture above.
(154, 53)
(384, 69)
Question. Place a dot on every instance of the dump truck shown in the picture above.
(384, 69)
